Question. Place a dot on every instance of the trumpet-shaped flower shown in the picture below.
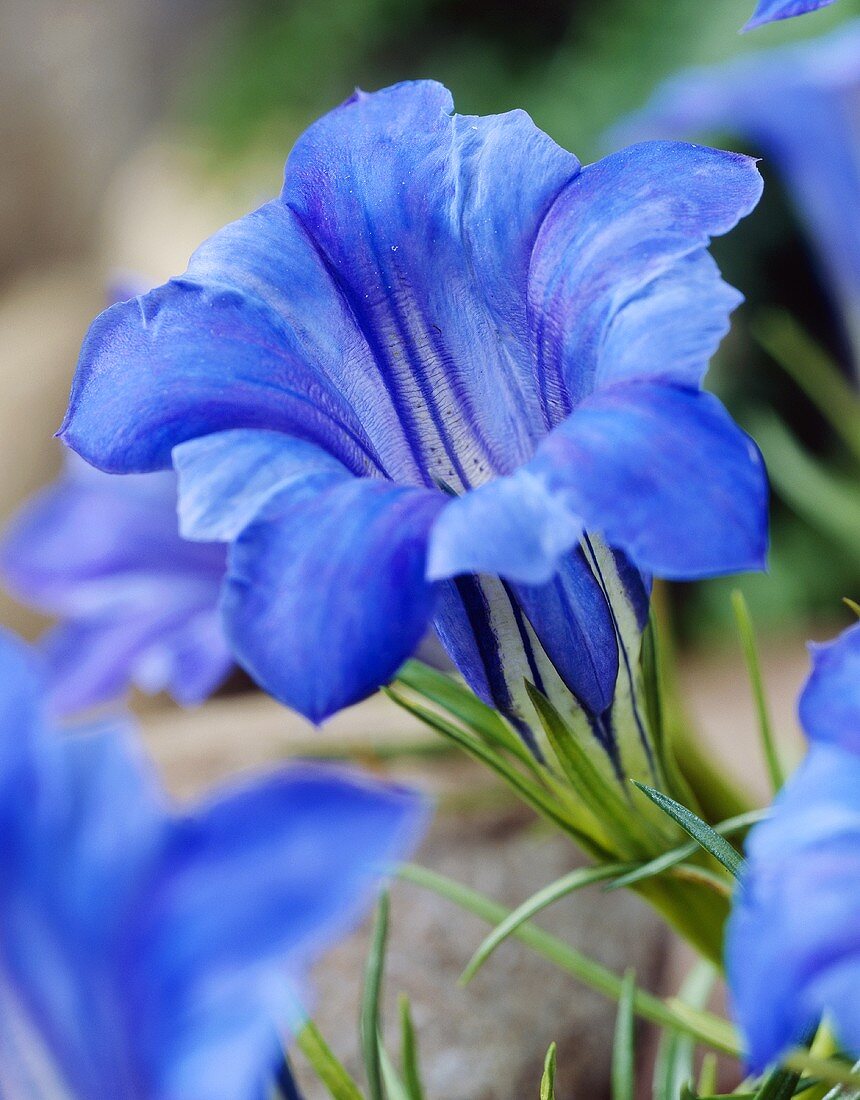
(154, 954)
(448, 375)
(137, 603)
(793, 948)
(798, 105)
(768, 11)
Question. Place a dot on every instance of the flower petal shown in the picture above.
(623, 243)
(770, 10)
(248, 892)
(791, 949)
(429, 218)
(226, 478)
(665, 475)
(326, 595)
(209, 351)
(830, 703)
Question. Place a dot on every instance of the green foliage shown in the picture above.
(547, 1081)
(704, 835)
(750, 651)
(370, 1002)
(623, 1046)
(328, 1069)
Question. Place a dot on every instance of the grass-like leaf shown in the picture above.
(623, 1046)
(710, 1030)
(369, 1027)
(677, 855)
(409, 1051)
(326, 1065)
(547, 1081)
(673, 1066)
(699, 830)
(567, 884)
(394, 1087)
(765, 726)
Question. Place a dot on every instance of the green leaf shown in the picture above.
(677, 855)
(528, 790)
(707, 1084)
(623, 1047)
(369, 1027)
(699, 830)
(547, 1081)
(409, 1051)
(813, 371)
(600, 793)
(673, 1066)
(852, 605)
(446, 692)
(394, 1087)
(567, 884)
(327, 1067)
(705, 1027)
(750, 652)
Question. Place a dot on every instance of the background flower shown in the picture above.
(793, 950)
(138, 604)
(156, 953)
(769, 10)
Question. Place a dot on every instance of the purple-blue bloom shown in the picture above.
(449, 375)
(798, 106)
(793, 940)
(150, 953)
(768, 11)
(137, 603)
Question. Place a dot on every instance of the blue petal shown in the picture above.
(225, 479)
(429, 219)
(661, 472)
(830, 703)
(211, 351)
(623, 244)
(139, 603)
(256, 882)
(791, 949)
(326, 595)
(770, 10)
(795, 105)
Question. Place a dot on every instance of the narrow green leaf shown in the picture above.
(699, 830)
(704, 1026)
(547, 1081)
(813, 371)
(833, 1071)
(600, 793)
(567, 884)
(443, 690)
(394, 1087)
(623, 1047)
(677, 855)
(688, 1092)
(327, 1067)
(707, 1084)
(525, 787)
(673, 1066)
(852, 605)
(369, 1026)
(409, 1051)
(765, 726)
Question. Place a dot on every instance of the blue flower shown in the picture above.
(798, 106)
(435, 380)
(792, 948)
(138, 604)
(153, 954)
(768, 11)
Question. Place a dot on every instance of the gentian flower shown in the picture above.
(793, 941)
(137, 603)
(768, 11)
(155, 954)
(798, 105)
(449, 375)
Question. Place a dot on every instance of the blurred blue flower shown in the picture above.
(768, 11)
(416, 385)
(153, 954)
(792, 947)
(798, 105)
(138, 604)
